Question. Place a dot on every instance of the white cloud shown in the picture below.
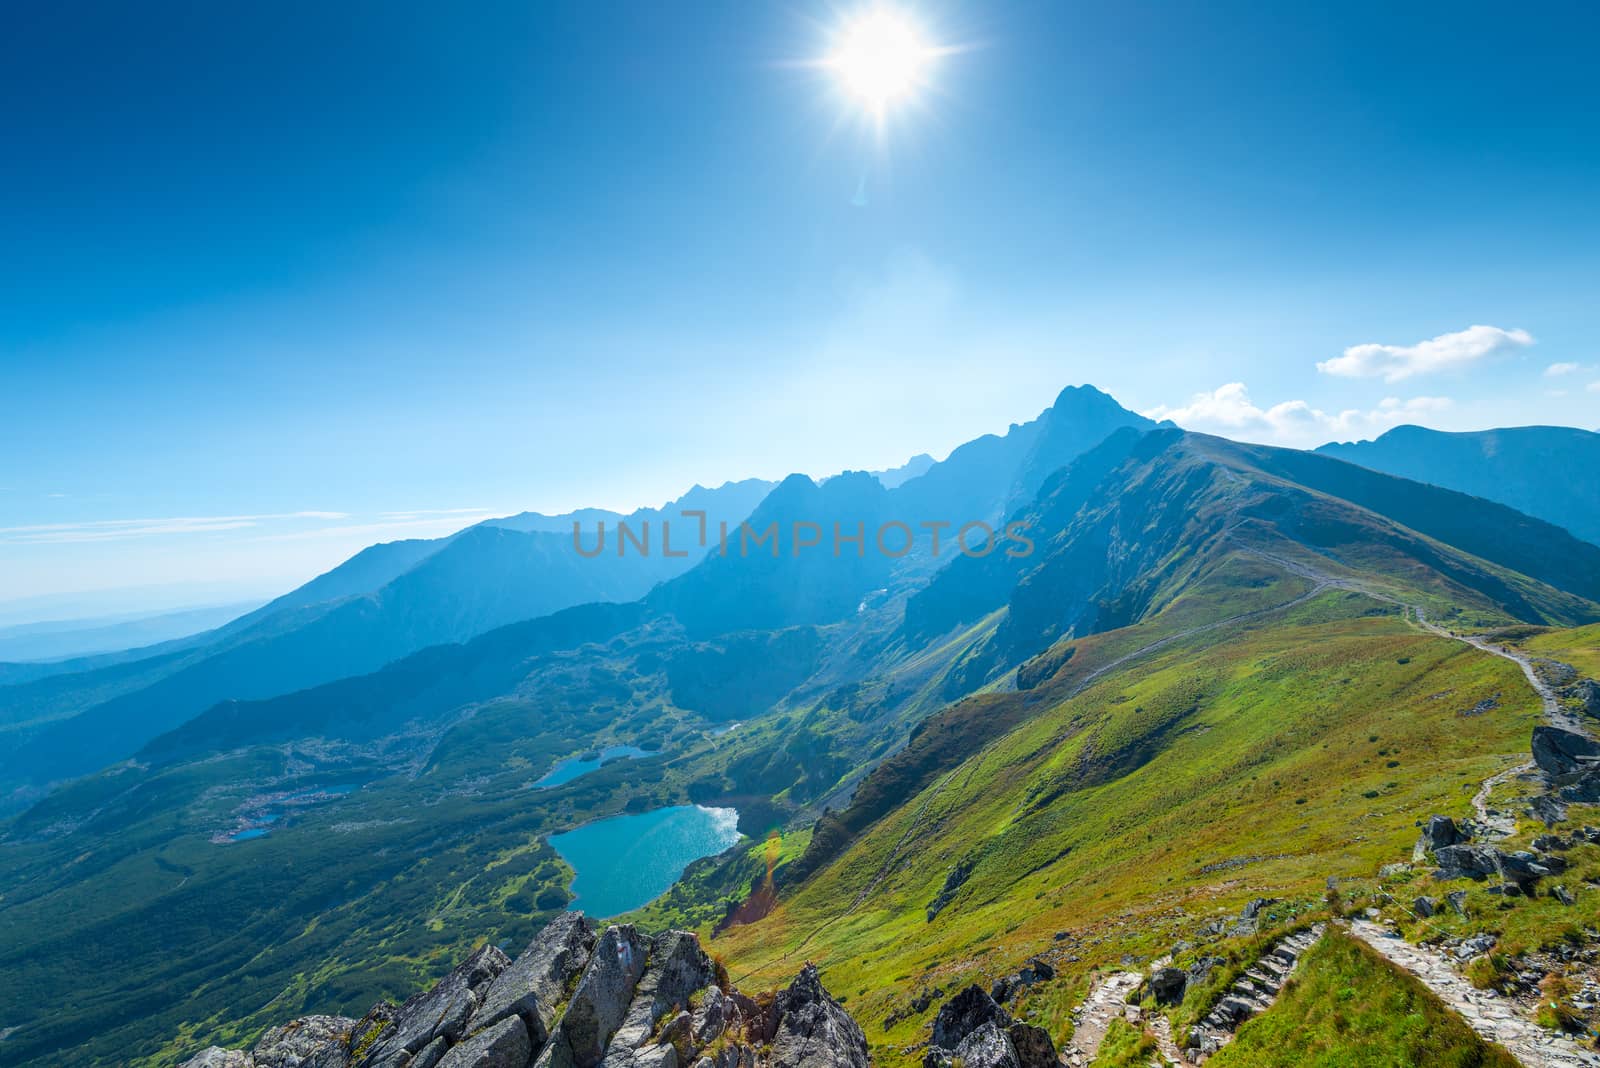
(1229, 411)
(1397, 362)
(1556, 370)
(1594, 387)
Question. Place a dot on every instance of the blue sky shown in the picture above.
(283, 280)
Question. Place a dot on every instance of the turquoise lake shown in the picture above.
(627, 861)
(567, 770)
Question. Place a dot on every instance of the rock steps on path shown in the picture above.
(576, 998)
(1252, 993)
(1491, 1015)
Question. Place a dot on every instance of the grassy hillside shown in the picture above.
(1347, 1007)
(1225, 766)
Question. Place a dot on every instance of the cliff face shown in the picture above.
(576, 998)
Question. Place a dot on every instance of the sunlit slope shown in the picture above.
(1223, 766)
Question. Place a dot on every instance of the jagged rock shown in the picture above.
(1168, 984)
(504, 1045)
(813, 1030)
(600, 1003)
(217, 1057)
(1425, 906)
(1548, 843)
(1033, 1046)
(1562, 894)
(987, 1047)
(538, 980)
(1560, 752)
(678, 967)
(430, 1055)
(711, 1018)
(309, 1042)
(371, 1027)
(964, 1014)
(1457, 900)
(630, 1009)
(1476, 946)
(442, 1012)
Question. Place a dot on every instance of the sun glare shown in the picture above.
(881, 58)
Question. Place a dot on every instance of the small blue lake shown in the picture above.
(572, 767)
(627, 861)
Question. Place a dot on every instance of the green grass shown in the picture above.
(1347, 1007)
(1125, 1046)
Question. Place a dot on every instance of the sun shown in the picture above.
(881, 58)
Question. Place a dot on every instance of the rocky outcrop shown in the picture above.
(577, 998)
(1562, 753)
(975, 1031)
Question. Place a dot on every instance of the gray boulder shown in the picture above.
(538, 980)
(1033, 1046)
(813, 1030)
(987, 1047)
(1560, 753)
(1439, 832)
(1466, 862)
(1168, 984)
(964, 1014)
(505, 1045)
(600, 1003)
(1425, 906)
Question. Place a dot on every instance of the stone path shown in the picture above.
(1108, 999)
(1490, 1014)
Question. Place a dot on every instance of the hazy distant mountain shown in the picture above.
(84, 637)
(1552, 472)
(339, 624)
(917, 465)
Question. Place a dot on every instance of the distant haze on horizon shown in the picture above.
(283, 283)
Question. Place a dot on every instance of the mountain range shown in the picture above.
(1201, 673)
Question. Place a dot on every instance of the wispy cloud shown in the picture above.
(1394, 363)
(435, 524)
(1556, 370)
(1229, 410)
(1594, 387)
(120, 529)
